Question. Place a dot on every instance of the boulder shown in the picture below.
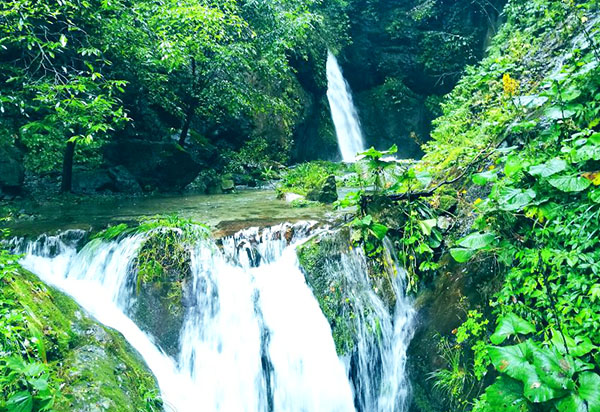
(227, 185)
(165, 166)
(12, 171)
(92, 181)
(123, 180)
(326, 193)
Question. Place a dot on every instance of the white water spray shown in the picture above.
(343, 112)
(254, 338)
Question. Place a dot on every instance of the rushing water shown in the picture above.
(253, 338)
(343, 112)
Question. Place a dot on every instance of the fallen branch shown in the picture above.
(398, 197)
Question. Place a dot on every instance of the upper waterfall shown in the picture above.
(343, 112)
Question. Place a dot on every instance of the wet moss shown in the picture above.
(315, 257)
(96, 369)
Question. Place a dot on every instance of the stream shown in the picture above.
(254, 337)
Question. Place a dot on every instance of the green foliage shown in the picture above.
(541, 218)
(305, 177)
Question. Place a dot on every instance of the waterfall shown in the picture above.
(253, 337)
(343, 112)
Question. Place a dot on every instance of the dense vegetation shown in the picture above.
(77, 74)
(517, 154)
(505, 200)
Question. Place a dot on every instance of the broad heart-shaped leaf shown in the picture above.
(20, 402)
(578, 346)
(379, 230)
(553, 368)
(551, 167)
(513, 360)
(484, 178)
(516, 362)
(594, 139)
(556, 113)
(510, 325)
(571, 403)
(587, 152)
(462, 255)
(512, 200)
(427, 226)
(570, 183)
(477, 241)
(514, 164)
(506, 395)
(589, 390)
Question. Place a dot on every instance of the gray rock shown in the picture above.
(12, 171)
(91, 181)
(327, 193)
(156, 165)
(123, 180)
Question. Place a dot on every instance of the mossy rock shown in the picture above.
(163, 270)
(315, 257)
(95, 366)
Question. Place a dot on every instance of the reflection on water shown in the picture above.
(225, 212)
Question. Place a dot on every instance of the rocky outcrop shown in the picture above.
(326, 193)
(97, 368)
(12, 172)
(404, 56)
(163, 166)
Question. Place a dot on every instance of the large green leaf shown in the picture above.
(427, 226)
(553, 368)
(578, 346)
(514, 164)
(589, 390)
(516, 362)
(506, 395)
(594, 139)
(513, 360)
(571, 403)
(20, 402)
(462, 255)
(549, 168)
(512, 200)
(510, 325)
(558, 113)
(587, 152)
(379, 230)
(570, 183)
(477, 241)
(484, 178)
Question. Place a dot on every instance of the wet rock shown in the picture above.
(98, 369)
(227, 185)
(92, 181)
(123, 180)
(158, 165)
(12, 171)
(327, 193)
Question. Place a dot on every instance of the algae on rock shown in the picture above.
(83, 366)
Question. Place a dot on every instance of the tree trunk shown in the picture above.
(186, 125)
(67, 170)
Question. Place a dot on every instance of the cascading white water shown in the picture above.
(254, 338)
(343, 112)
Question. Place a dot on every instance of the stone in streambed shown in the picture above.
(326, 193)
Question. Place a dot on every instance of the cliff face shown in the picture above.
(404, 56)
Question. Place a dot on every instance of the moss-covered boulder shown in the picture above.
(54, 353)
(163, 271)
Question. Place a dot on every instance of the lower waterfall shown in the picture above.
(253, 337)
